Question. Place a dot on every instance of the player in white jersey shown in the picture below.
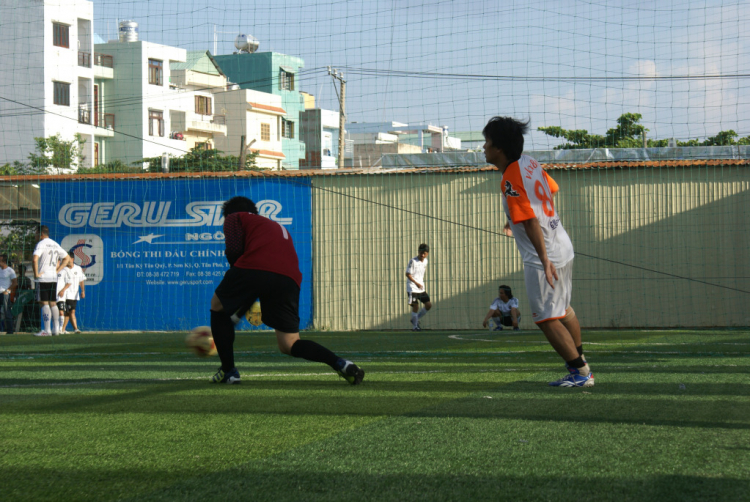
(73, 278)
(544, 245)
(504, 310)
(48, 260)
(415, 289)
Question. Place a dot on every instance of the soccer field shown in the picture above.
(439, 416)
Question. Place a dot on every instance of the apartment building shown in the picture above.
(52, 80)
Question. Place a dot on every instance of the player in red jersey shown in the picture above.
(263, 265)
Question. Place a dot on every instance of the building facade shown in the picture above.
(53, 81)
(146, 104)
(319, 130)
(257, 116)
(198, 120)
(272, 73)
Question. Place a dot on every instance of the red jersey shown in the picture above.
(258, 243)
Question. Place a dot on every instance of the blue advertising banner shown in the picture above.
(153, 250)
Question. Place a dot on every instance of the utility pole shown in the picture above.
(243, 153)
(337, 75)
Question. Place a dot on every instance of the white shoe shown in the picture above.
(42, 333)
(63, 332)
(77, 331)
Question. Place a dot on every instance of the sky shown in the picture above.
(574, 64)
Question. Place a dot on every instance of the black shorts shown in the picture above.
(46, 291)
(70, 305)
(278, 295)
(422, 297)
(61, 306)
(508, 320)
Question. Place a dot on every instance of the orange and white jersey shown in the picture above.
(527, 193)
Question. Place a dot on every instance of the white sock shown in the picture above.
(62, 321)
(585, 371)
(55, 319)
(421, 313)
(414, 319)
(46, 314)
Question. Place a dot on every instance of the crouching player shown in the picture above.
(263, 265)
(545, 247)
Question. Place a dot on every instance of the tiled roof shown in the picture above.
(304, 173)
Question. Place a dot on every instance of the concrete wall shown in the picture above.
(625, 224)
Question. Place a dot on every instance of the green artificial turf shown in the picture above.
(440, 416)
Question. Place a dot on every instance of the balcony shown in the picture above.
(84, 114)
(84, 59)
(104, 66)
(104, 60)
(105, 125)
(206, 123)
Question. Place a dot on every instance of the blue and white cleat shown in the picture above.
(229, 377)
(574, 379)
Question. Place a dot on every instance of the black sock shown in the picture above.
(580, 350)
(307, 349)
(577, 363)
(222, 329)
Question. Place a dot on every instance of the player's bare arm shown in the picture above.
(35, 266)
(62, 291)
(63, 264)
(490, 314)
(534, 231)
(83, 290)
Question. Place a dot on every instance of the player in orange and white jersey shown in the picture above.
(545, 247)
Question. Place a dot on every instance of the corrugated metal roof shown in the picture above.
(304, 173)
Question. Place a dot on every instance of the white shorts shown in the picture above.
(547, 303)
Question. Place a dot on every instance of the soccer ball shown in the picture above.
(201, 342)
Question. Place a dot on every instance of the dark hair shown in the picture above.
(424, 247)
(507, 291)
(70, 253)
(4, 256)
(44, 230)
(506, 133)
(238, 204)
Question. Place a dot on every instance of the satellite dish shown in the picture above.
(246, 43)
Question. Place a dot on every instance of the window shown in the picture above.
(62, 94)
(287, 129)
(265, 132)
(61, 35)
(155, 123)
(203, 105)
(286, 81)
(155, 72)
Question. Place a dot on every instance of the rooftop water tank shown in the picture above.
(128, 31)
(246, 43)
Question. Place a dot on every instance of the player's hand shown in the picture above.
(551, 273)
(83, 294)
(484, 324)
(506, 229)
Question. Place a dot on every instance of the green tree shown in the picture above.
(56, 152)
(19, 239)
(199, 159)
(629, 134)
